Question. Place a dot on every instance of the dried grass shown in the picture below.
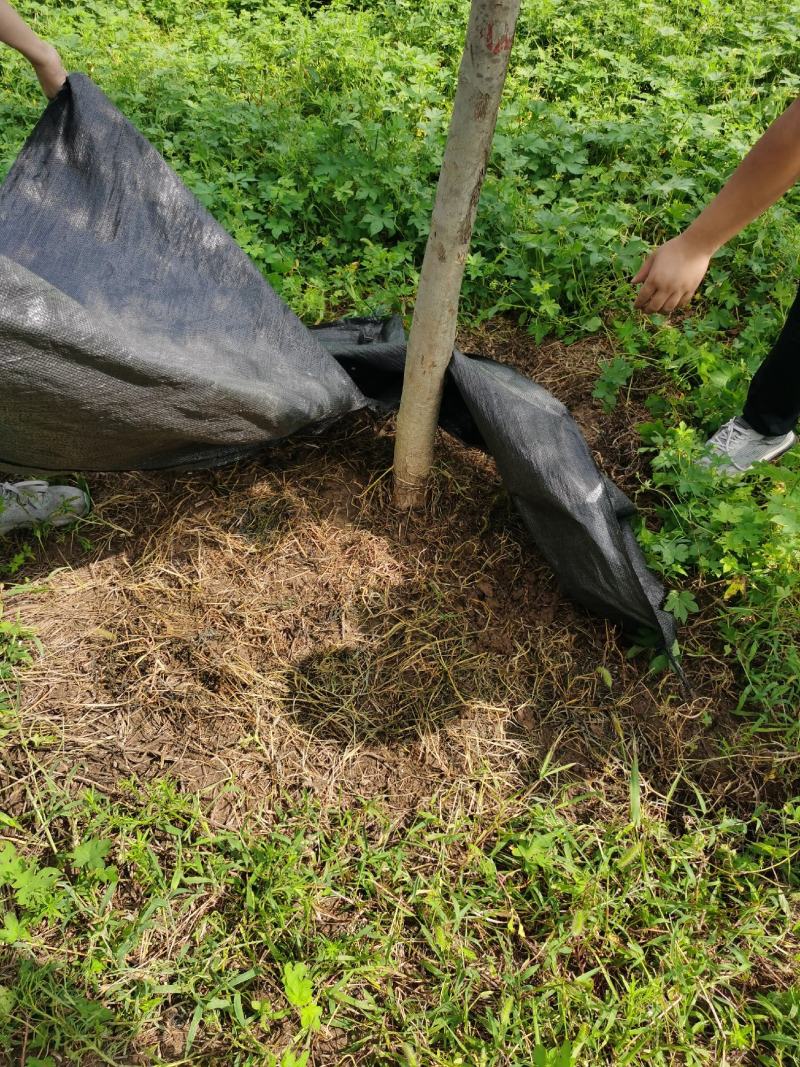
(276, 625)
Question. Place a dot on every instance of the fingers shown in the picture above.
(51, 73)
(646, 294)
(55, 88)
(643, 271)
(681, 300)
(669, 277)
(654, 297)
(655, 303)
(662, 301)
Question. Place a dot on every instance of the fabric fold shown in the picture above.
(136, 334)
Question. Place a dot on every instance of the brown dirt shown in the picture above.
(276, 625)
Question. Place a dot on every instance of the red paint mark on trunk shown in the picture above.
(501, 44)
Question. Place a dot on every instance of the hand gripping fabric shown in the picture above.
(135, 334)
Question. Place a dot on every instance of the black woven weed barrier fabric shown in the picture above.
(135, 334)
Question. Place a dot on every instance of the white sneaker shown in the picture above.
(736, 447)
(24, 504)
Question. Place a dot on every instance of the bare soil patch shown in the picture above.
(276, 625)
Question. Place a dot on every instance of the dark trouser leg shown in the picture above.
(773, 403)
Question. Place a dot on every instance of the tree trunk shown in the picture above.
(433, 332)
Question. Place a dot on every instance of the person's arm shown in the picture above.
(42, 56)
(670, 276)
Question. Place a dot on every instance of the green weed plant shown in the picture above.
(550, 935)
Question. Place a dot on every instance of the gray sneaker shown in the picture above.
(29, 503)
(736, 447)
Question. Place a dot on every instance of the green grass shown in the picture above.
(549, 927)
(446, 940)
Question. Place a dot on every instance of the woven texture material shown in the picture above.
(135, 334)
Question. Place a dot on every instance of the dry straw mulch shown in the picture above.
(277, 625)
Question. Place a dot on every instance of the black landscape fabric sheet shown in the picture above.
(135, 334)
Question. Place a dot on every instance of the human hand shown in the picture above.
(50, 71)
(670, 276)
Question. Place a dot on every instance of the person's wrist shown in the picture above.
(699, 242)
(49, 70)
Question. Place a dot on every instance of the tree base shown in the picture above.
(409, 496)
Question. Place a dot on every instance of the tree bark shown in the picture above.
(490, 34)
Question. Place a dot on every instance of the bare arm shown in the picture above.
(671, 275)
(43, 57)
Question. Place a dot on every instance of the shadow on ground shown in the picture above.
(276, 625)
